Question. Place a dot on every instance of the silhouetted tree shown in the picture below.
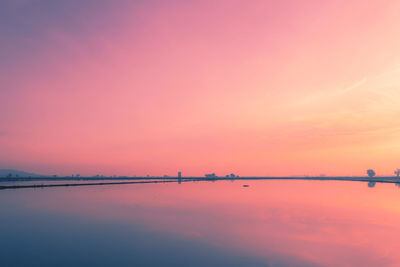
(371, 173)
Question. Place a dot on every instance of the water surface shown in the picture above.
(222, 223)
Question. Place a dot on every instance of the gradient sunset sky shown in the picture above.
(156, 87)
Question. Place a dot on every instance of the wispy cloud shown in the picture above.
(384, 84)
(365, 110)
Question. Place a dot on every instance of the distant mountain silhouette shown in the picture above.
(15, 173)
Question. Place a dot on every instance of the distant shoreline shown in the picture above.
(146, 180)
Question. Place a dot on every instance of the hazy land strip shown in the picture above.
(150, 180)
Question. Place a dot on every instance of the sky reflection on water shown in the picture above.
(270, 223)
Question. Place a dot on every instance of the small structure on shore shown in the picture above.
(397, 172)
(179, 177)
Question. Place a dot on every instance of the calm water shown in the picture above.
(269, 223)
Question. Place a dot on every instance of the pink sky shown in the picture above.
(157, 87)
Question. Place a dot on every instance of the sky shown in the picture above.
(156, 87)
